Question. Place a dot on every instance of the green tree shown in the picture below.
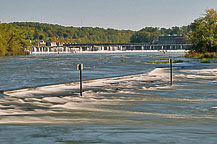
(12, 40)
(146, 35)
(203, 34)
(141, 37)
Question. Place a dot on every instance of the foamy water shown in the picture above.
(130, 102)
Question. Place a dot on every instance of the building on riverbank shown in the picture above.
(41, 43)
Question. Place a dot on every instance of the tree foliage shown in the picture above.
(151, 34)
(49, 32)
(12, 40)
(203, 34)
(58, 33)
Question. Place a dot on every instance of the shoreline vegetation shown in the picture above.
(207, 57)
(12, 41)
(203, 35)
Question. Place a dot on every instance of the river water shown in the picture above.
(126, 100)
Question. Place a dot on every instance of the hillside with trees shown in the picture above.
(58, 33)
(18, 36)
(49, 32)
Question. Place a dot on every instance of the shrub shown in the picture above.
(201, 55)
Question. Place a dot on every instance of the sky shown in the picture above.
(118, 14)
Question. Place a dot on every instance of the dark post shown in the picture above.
(171, 71)
(81, 89)
(80, 68)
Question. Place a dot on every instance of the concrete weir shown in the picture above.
(73, 48)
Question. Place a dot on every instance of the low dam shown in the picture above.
(70, 48)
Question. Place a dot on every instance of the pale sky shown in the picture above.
(118, 14)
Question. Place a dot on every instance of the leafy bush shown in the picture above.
(201, 55)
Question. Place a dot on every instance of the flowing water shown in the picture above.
(126, 100)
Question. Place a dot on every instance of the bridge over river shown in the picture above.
(70, 48)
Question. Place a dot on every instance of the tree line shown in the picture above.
(18, 36)
(58, 33)
(49, 32)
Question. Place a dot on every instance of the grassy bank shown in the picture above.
(164, 61)
(201, 55)
(204, 57)
(15, 53)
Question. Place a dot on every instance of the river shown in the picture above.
(126, 100)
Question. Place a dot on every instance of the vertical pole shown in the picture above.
(81, 89)
(80, 68)
(171, 71)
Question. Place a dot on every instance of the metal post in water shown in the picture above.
(171, 71)
(81, 89)
(80, 68)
